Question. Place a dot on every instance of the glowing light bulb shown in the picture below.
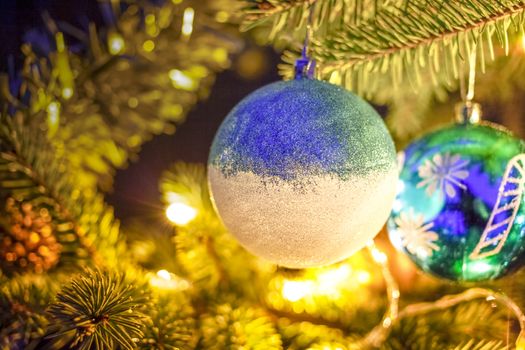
(480, 267)
(53, 117)
(187, 21)
(378, 256)
(180, 214)
(328, 281)
(181, 80)
(115, 43)
(164, 274)
(296, 290)
(363, 277)
(67, 92)
(164, 280)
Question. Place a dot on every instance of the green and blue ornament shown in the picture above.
(459, 212)
(303, 172)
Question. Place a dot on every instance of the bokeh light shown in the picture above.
(180, 214)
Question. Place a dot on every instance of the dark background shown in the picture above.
(136, 188)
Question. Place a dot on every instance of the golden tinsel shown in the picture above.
(27, 240)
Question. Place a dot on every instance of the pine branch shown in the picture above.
(209, 255)
(186, 183)
(423, 35)
(30, 174)
(98, 310)
(287, 20)
(473, 322)
(237, 328)
(22, 305)
(305, 335)
(122, 99)
(171, 324)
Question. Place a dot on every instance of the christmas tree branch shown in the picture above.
(30, 173)
(468, 295)
(400, 43)
(22, 309)
(287, 20)
(208, 254)
(107, 103)
(98, 310)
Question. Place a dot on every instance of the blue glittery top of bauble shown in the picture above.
(290, 129)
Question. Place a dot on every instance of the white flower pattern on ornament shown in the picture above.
(444, 173)
(415, 236)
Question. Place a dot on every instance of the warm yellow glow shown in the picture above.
(65, 75)
(329, 281)
(115, 43)
(148, 45)
(181, 80)
(53, 113)
(180, 214)
(523, 42)
(164, 274)
(221, 16)
(335, 78)
(378, 255)
(167, 281)
(363, 277)
(187, 21)
(53, 117)
(133, 102)
(150, 19)
(67, 92)
(59, 39)
(220, 54)
(296, 290)
(479, 266)
(198, 71)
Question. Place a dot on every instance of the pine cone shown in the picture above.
(27, 242)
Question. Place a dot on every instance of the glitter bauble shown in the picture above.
(459, 210)
(303, 173)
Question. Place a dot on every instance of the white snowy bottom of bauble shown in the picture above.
(298, 227)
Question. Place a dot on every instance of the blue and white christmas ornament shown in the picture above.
(303, 173)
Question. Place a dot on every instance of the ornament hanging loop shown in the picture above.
(467, 111)
(305, 65)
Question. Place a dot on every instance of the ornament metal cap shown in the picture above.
(468, 112)
(304, 68)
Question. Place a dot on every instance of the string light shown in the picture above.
(180, 214)
(115, 43)
(67, 92)
(187, 22)
(296, 290)
(53, 117)
(164, 274)
(363, 277)
(181, 80)
(165, 280)
(328, 282)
